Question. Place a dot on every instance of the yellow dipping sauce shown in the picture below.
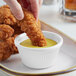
(28, 43)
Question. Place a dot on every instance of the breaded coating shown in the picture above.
(5, 31)
(6, 16)
(7, 48)
(5, 51)
(10, 42)
(30, 26)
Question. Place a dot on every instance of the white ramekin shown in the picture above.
(39, 58)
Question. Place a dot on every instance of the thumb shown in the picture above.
(15, 8)
(35, 8)
(40, 3)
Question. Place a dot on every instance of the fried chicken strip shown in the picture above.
(9, 24)
(5, 31)
(7, 46)
(6, 17)
(30, 26)
(29, 20)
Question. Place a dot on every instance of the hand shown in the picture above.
(32, 5)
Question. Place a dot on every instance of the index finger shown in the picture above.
(35, 8)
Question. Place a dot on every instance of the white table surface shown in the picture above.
(50, 15)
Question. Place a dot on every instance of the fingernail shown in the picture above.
(20, 16)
